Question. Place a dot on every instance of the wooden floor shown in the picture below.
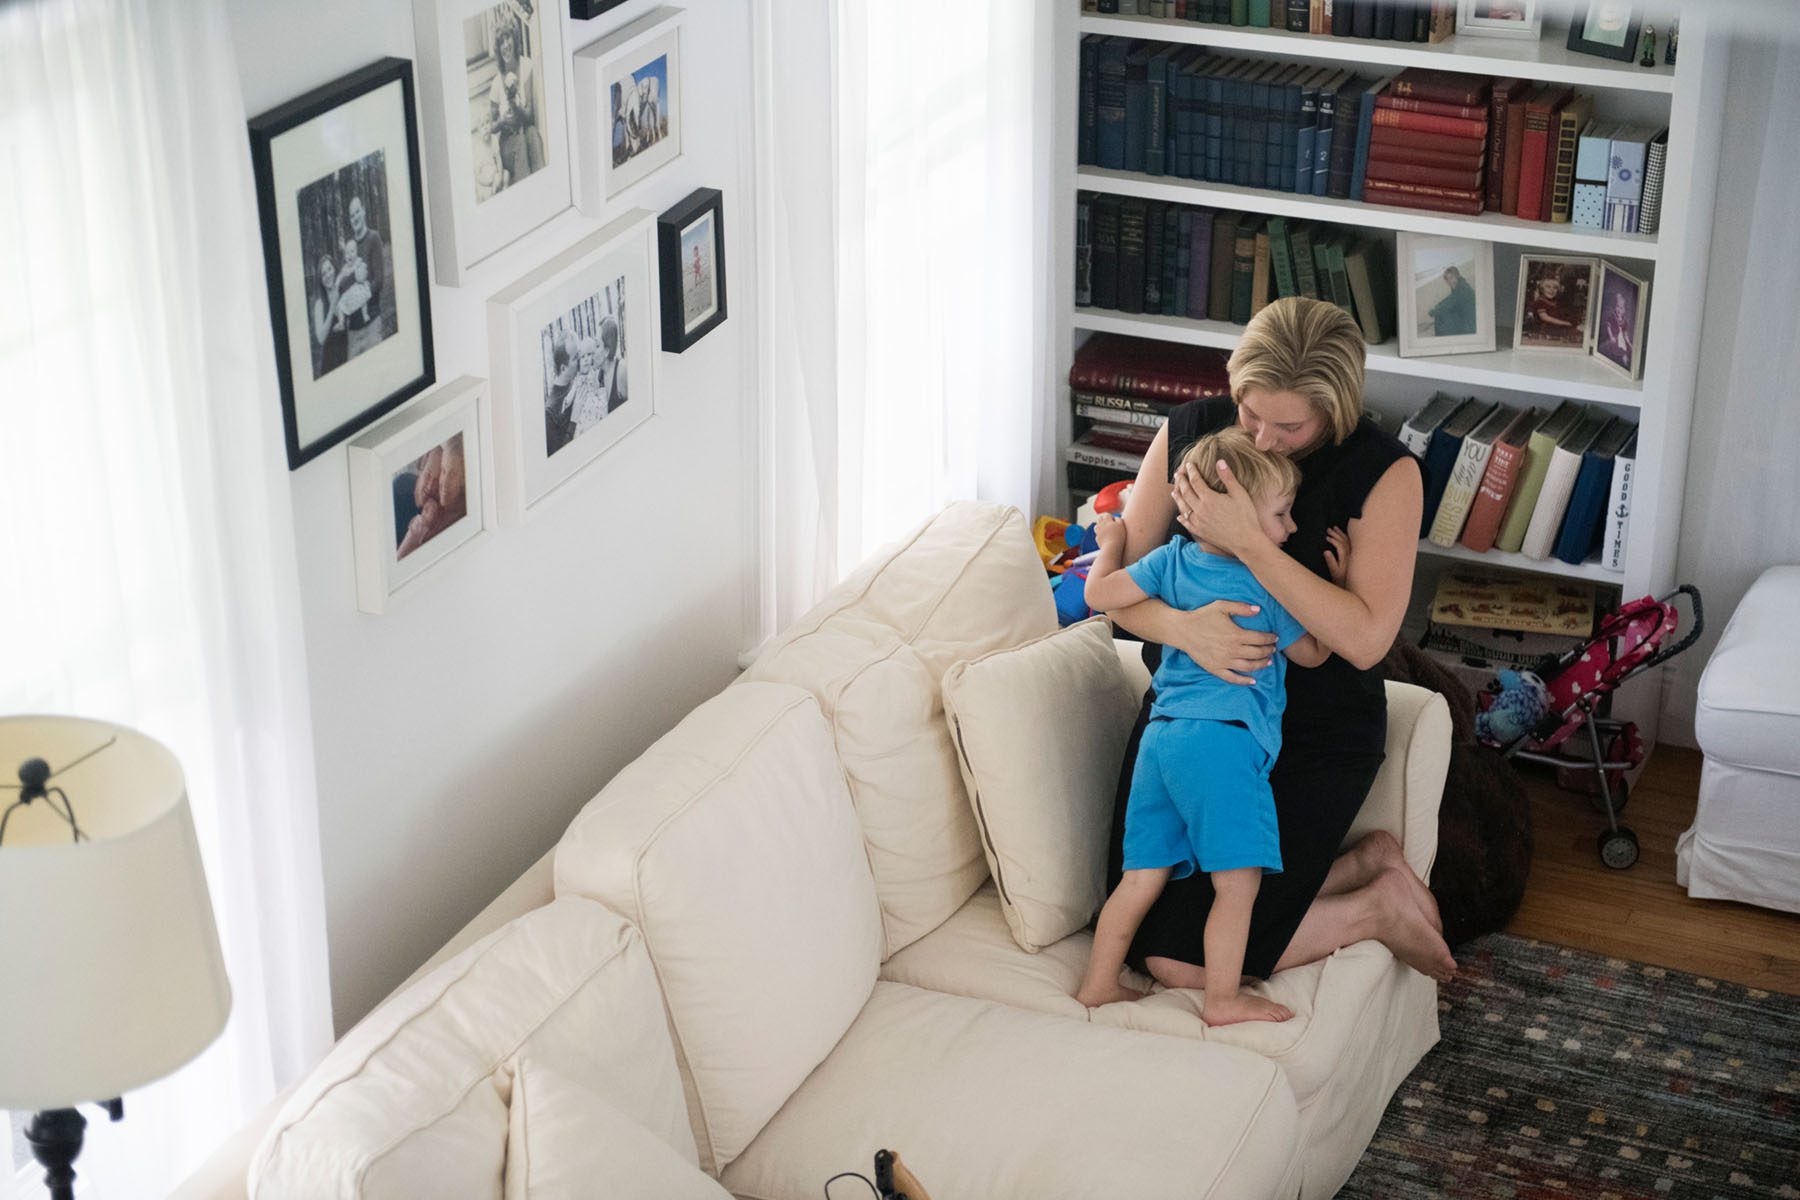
(1642, 914)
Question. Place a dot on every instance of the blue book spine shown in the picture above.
(1365, 125)
(1289, 133)
(1587, 505)
(1257, 134)
(1156, 113)
(1109, 104)
(1137, 107)
(1303, 137)
(1321, 164)
(1187, 123)
(1239, 116)
(1200, 264)
(1213, 135)
(1086, 138)
(1440, 458)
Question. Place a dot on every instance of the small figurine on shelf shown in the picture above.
(1648, 47)
(1669, 47)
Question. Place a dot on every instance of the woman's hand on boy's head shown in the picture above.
(1228, 521)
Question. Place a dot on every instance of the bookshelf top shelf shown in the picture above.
(1545, 59)
(1491, 227)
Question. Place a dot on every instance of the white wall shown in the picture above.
(457, 734)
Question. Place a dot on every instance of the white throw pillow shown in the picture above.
(567, 1142)
(1040, 731)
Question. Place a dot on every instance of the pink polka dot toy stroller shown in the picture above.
(1628, 642)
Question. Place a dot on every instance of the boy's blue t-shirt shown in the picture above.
(1183, 576)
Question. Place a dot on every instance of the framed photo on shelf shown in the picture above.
(1500, 18)
(690, 248)
(492, 77)
(343, 233)
(1446, 294)
(573, 349)
(1556, 303)
(419, 490)
(1606, 28)
(1619, 319)
(628, 99)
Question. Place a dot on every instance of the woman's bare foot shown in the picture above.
(1381, 851)
(1243, 1006)
(1404, 929)
(1173, 973)
(1095, 997)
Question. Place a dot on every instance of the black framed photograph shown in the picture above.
(1605, 28)
(690, 254)
(343, 232)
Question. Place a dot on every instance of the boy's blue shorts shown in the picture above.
(1200, 799)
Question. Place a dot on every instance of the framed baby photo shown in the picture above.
(419, 490)
(1619, 318)
(1556, 303)
(492, 78)
(343, 233)
(690, 248)
(1607, 28)
(573, 345)
(628, 100)
(1446, 301)
(1500, 18)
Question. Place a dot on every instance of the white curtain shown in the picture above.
(144, 506)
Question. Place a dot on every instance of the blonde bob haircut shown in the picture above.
(1263, 473)
(1308, 347)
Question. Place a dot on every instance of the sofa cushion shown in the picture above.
(874, 652)
(732, 845)
(1039, 731)
(413, 1101)
(568, 1142)
(985, 1100)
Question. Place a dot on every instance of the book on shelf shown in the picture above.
(1514, 155)
(1332, 91)
(1593, 153)
(1455, 178)
(1087, 135)
(1156, 108)
(1260, 294)
(1103, 226)
(1115, 365)
(1415, 432)
(1153, 255)
(1500, 102)
(1178, 232)
(1481, 596)
(1388, 116)
(1407, 145)
(1086, 453)
(1128, 437)
(1328, 261)
(1084, 248)
(1306, 275)
(1346, 127)
(1109, 102)
(1365, 264)
(1442, 451)
(1498, 481)
(1618, 506)
(1243, 268)
(1541, 108)
(1224, 262)
(1584, 525)
(1625, 183)
(1148, 416)
(1445, 87)
(1538, 450)
(1362, 18)
(1465, 477)
(1650, 210)
(1465, 201)
(1281, 258)
(1560, 179)
(1559, 483)
(1365, 131)
(1133, 219)
(1137, 103)
(1085, 479)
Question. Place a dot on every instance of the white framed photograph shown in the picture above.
(1556, 303)
(1446, 294)
(1500, 18)
(573, 347)
(1619, 318)
(628, 99)
(492, 93)
(419, 490)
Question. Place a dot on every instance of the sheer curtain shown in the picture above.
(144, 508)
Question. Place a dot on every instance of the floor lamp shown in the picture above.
(110, 970)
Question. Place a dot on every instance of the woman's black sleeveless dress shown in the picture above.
(1333, 733)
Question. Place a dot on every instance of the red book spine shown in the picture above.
(1412, 172)
(1416, 139)
(1445, 87)
(1382, 192)
(1496, 489)
(1515, 146)
(1407, 104)
(1471, 161)
(1139, 382)
(1504, 90)
(1429, 123)
(1532, 153)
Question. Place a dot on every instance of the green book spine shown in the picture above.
(1258, 14)
(1525, 496)
(1305, 277)
(1340, 277)
(1322, 265)
(1243, 271)
(1281, 258)
(1240, 12)
(1224, 260)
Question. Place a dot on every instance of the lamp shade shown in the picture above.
(110, 970)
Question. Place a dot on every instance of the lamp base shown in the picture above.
(55, 1138)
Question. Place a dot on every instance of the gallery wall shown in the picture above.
(457, 733)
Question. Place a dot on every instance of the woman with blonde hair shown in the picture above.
(1297, 389)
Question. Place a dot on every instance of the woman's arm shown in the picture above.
(1358, 621)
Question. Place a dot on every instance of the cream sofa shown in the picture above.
(771, 945)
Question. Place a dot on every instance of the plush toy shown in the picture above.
(1511, 707)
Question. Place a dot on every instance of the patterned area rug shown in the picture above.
(1566, 1074)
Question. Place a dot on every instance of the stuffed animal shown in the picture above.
(1511, 707)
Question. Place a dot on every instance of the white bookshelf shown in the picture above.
(1687, 97)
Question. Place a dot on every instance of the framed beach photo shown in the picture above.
(491, 73)
(343, 233)
(1556, 303)
(1500, 18)
(1607, 28)
(419, 490)
(690, 247)
(628, 101)
(1620, 314)
(573, 347)
(1446, 301)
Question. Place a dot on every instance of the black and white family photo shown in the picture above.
(430, 495)
(350, 300)
(506, 95)
(639, 116)
(584, 366)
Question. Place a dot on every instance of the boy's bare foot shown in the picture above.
(1406, 932)
(1095, 997)
(1244, 1006)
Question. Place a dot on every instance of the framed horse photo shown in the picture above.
(343, 232)
(628, 101)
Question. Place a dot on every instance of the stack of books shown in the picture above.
(1525, 481)
(1122, 389)
(1388, 20)
(1428, 147)
(1147, 256)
